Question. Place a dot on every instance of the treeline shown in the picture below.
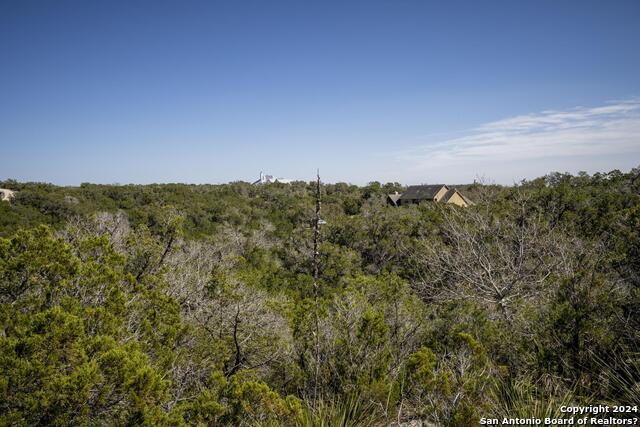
(195, 304)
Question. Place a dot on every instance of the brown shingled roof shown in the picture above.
(422, 192)
(466, 199)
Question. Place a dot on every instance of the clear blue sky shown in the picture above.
(408, 91)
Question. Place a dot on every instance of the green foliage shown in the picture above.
(197, 304)
(61, 358)
(450, 390)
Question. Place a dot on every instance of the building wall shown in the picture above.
(440, 193)
(457, 200)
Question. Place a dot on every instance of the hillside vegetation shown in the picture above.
(195, 305)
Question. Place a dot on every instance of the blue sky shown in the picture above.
(408, 91)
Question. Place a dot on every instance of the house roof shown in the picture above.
(466, 199)
(422, 192)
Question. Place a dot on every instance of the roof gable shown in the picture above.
(448, 195)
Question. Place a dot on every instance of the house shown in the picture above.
(6, 195)
(270, 179)
(440, 193)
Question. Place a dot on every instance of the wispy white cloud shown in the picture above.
(570, 138)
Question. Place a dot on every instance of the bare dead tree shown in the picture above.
(113, 225)
(316, 257)
(241, 324)
(495, 260)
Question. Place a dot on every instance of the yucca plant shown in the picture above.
(622, 375)
(521, 398)
(347, 411)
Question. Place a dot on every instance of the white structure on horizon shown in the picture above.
(6, 195)
(270, 179)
